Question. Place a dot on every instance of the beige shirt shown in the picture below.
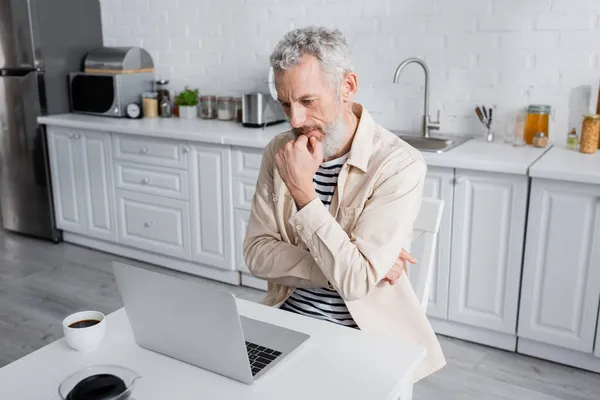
(353, 245)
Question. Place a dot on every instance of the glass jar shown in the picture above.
(540, 140)
(208, 107)
(572, 139)
(150, 100)
(225, 108)
(238, 109)
(538, 118)
(164, 98)
(590, 134)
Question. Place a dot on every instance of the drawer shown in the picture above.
(157, 224)
(243, 191)
(159, 181)
(246, 161)
(163, 152)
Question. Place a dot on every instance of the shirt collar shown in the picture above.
(360, 151)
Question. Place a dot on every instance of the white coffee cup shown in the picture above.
(87, 338)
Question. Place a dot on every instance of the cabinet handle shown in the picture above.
(145, 181)
(144, 150)
(459, 179)
(77, 136)
(186, 149)
(148, 224)
(71, 135)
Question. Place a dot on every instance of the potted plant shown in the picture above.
(187, 101)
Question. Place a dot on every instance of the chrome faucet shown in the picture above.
(428, 125)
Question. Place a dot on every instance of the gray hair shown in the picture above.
(327, 45)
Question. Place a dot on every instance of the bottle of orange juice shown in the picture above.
(538, 118)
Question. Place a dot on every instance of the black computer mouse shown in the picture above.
(98, 387)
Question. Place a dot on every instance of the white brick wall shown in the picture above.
(505, 53)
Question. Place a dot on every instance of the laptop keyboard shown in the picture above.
(260, 356)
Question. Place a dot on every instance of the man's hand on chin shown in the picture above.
(297, 163)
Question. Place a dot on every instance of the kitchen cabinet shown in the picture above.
(68, 204)
(81, 171)
(487, 242)
(439, 185)
(561, 278)
(212, 206)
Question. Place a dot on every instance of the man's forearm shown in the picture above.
(282, 263)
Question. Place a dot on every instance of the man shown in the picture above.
(335, 202)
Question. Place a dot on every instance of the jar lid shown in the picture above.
(539, 109)
(150, 94)
(162, 82)
(592, 116)
(225, 98)
(540, 134)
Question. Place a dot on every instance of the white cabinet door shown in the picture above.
(64, 168)
(98, 188)
(211, 205)
(82, 183)
(241, 218)
(561, 275)
(487, 246)
(438, 185)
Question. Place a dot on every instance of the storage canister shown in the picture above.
(590, 134)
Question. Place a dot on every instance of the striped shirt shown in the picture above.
(322, 303)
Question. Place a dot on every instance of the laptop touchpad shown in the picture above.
(272, 336)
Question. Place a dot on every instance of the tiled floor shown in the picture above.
(41, 283)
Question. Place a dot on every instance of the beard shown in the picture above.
(334, 135)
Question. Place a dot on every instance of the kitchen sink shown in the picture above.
(433, 144)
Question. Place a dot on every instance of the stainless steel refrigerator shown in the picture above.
(41, 41)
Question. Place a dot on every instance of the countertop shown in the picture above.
(479, 155)
(475, 154)
(197, 129)
(561, 163)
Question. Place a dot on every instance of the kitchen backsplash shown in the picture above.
(507, 53)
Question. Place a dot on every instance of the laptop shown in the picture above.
(200, 325)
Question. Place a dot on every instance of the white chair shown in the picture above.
(425, 230)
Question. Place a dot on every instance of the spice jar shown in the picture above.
(590, 134)
(572, 140)
(164, 98)
(538, 117)
(225, 108)
(150, 100)
(238, 109)
(540, 140)
(208, 107)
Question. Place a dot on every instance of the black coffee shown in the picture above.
(98, 387)
(84, 323)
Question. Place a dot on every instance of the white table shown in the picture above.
(335, 363)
